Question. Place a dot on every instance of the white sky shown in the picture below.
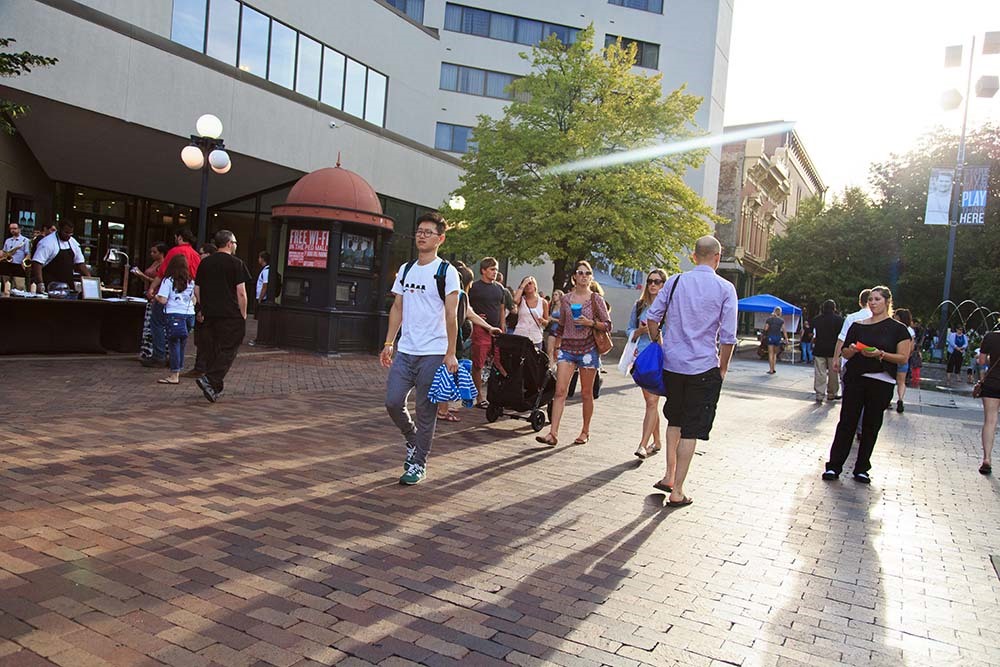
(861, 78)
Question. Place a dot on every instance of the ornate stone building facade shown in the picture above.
(762, 183)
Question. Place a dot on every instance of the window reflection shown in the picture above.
(188, 24)
(333, 78)
(253, 42)
(354, 89)
(307, 79)
(281, 66)
(375, 99)
(223, 19)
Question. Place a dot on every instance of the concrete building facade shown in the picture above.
(762, 183)
(391, 86)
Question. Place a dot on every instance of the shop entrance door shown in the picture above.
(96, 234)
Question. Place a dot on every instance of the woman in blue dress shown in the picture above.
(637, 332)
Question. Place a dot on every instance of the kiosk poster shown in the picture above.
(307, 248)
(357, 252)
(975, 183)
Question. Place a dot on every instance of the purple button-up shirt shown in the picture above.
(701, 316)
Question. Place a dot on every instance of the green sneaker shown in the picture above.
(410, 451)
(413, 475)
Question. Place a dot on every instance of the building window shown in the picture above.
(474, 81)
(308, 67)
(235, 33)
(412, 8)
(655, 6)
(188, 24)
(223, 30)
(281, 63)
(454, 138)
(471, 21)
(647, 54)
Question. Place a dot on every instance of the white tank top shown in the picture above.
(526, 324)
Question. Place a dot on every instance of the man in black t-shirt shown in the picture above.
(827, 326)
(486, 298)
(221, 292)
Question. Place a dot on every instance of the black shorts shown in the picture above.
(691, 402)
(990, 392)
(954, 362)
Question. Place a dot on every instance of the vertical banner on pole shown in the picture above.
(938, 197)
(975, 184)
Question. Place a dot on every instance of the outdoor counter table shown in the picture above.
(58, 325)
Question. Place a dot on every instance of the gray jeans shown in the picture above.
(409, 372)
(825, 380)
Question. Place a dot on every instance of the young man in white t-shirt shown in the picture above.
(429, 321)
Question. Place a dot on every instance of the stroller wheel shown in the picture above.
(493, 412)
(537, 420)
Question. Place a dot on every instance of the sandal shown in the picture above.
(582, 440)
(167, 381)
(986, 469)
(641, 452)
(650, 452)
(680, 503)
(549, 440)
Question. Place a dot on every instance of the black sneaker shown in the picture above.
(862, 477)
(206, 388)
(830, 475)
(899, 406)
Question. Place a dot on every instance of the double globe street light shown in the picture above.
(206, 150)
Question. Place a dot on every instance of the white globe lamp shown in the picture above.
(219, 159)
(192, 157)
(209, 126)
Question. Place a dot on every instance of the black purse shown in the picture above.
(176, 328)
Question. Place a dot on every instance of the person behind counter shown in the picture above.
(56, 257)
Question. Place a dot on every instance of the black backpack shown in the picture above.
(439, 277)
(464, 326)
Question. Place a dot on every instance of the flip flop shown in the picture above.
(166, 381)
(680, 503)
(582, 441)
(549, 440)
(641, 452)
(663, 487)
(449, 417)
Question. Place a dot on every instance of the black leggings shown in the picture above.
(955, 362)
(865, 395)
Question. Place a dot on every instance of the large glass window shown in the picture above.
(188, 24)
(474, 81)
(647, 54)
(655, 6)
(307, 76)
(238, 34)
(472, 21)
(254, 36)
(334, 65)
(354, 89)
(454, 138)
(412, 8)
(223, 30)
(281, 64)
(375, 98)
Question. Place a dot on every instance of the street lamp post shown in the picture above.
(986, 87)
(206, 150)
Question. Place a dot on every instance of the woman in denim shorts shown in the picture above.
(581, 312)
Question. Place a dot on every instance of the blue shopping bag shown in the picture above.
(647, 371)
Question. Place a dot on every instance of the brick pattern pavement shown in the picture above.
(268, 530)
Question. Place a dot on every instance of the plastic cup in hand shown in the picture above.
(576, 309)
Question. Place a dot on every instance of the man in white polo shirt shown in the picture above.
(856, 316)
(56, 256)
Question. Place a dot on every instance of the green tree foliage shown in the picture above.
(579, 103)
(860, 241)
(15, 64)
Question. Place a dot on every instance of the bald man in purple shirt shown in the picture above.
(699, 308)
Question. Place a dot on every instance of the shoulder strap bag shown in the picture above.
(601, 338)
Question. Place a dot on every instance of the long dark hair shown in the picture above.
(178, 271)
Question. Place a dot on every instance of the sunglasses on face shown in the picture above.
(654, 281)
(581, 272)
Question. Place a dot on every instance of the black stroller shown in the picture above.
(519, 381)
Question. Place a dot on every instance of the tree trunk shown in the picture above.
(558, 274)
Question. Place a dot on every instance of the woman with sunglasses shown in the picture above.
(637, 332)
(581, 314)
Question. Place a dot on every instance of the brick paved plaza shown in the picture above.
(140, 525)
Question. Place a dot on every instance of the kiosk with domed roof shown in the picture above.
(330, 242)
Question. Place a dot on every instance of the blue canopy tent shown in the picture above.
(763, 305)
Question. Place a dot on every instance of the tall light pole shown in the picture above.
(206, 150)
(986, 87)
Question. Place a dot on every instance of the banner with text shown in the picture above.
(975, 183)
(938, 197)
(307, 248)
